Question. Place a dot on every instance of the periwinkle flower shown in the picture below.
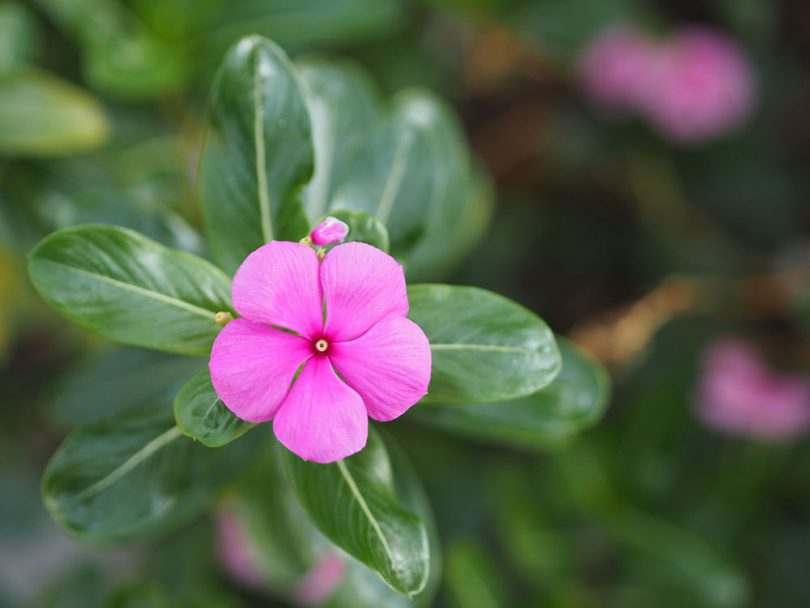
(237, 555)
(693, 87)
(241, 560)
(740, 395)
(615, 68)
(320, 346)
(703, 88)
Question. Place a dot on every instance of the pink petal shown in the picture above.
(322, 420)
(252, 367)
(389, 366)
(361, 286)
(278, 285)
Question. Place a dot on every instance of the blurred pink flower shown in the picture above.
(703, 86)
(615, 68)
(739, 394)
(240, 559)
(693, 87)
(236, 553)
(320, 346)
(322, 581)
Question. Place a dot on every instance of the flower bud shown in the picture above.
(329, 231)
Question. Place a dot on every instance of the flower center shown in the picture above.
(321, 345)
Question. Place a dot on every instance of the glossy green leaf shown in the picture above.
(485, 347)
(138, 379)
(128, 288)
(128, 476)
(406, 164)
(355, 503)
(460, 200)
(42, 115)
(575, 400)
(363, 227)
(343, 105)
(288, 546)
(391, 177)
(201, 414)
(258, 153)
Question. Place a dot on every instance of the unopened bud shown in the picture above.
(329, 231)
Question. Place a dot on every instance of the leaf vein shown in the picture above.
(133, 461)
(347, 476)
(258, 140)
(156, 295)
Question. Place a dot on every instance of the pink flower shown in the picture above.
(321, 581)
(237, 554)
(703, 86)
(240, 558)
(738, 394)
(320, 346)
(615, 70)
(329, 231)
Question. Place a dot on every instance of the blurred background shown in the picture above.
(650, 167)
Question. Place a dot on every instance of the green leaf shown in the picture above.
(406, 164)
(363, 227)
(459, 201)
(561, 28)
(17, 33)
(128, 288)
(288, 546)
(140, 594)
(485, 347)
(138, 379)
(42, 115)
(129, 476)
(575, 400)
(679, 558)
(344, 106)
(201, 414)
(258, 153)
(473, 579)
(355, 504)
(121, 56)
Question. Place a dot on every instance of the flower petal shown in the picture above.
(278, 285)
(389, 366)
(322, 419)
(252, 367)
(361, 286)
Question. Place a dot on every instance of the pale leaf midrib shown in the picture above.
(393, 181)
(321, 194)
(258, 141)
(133, 461)
(155, 295)
(347, 476)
